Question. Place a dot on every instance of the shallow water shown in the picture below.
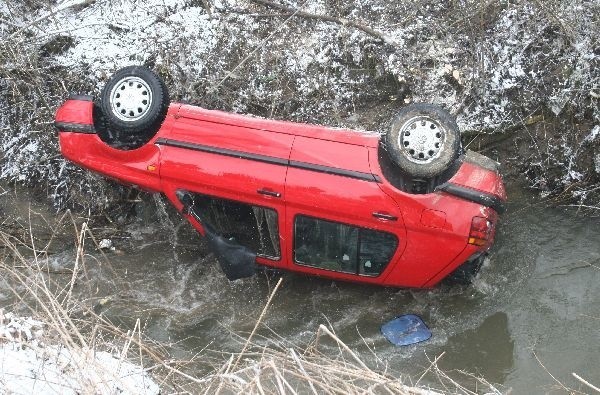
(536, 298)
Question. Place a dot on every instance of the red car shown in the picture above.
(406, 210)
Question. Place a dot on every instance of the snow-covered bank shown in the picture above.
(31, 363)
(522, 77)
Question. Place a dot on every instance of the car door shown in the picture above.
(236, 172)
(342, 225)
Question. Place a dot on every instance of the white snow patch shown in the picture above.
(28, 365)
(594, 133)
(105, 244)
(109, 35)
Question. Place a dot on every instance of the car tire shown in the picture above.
(423, 140)
(134, 103)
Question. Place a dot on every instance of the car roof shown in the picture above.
(346, 136)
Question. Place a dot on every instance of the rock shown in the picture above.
(456, 76)
(106, 244)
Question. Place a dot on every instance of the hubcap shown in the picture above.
(130, 99)
(421, 139)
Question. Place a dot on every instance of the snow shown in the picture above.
(594, 133)
(54, 369)
(20, 329)
(493, 70)
(106, 244)
(29, 365)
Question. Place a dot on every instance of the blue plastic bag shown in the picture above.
(405, 330)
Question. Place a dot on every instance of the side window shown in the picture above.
(342, 248)
(251, 226)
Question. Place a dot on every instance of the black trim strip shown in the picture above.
(74, 127)
(473, 195)
(222, 151)
(269, 159)
(333, 170)
(81, 97)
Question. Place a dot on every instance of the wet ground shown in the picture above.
(532, 312)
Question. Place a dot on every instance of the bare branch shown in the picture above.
(327, 18)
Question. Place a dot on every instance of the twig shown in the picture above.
(299, 363)
(260, 318)
(279, 377)
(78, 257)
(547, 371)
(585, 382)
(323, 328)
(62, 7)
(327, 18)
(206, 6)
(260, 45)
(431, 365)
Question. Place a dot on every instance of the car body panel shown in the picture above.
(422, 260)
(338, 197)
(126, 167)
(297, 129)
(478, 178)
(230, 175)
(76, 112)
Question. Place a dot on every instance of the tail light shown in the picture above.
(481, 231)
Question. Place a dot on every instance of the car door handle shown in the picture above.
(385, 216)
(266, 192)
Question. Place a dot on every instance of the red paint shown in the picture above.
(433, 218)
(75, 111)
(479, 178)
(432, 229)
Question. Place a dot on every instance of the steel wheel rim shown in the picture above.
(130, 99)
(421, 139)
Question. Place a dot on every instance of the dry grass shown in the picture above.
(283, 370)
(263, 366)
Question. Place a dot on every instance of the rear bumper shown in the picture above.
(473, 195)
(76, 115)
(479, 181)
(469, 252)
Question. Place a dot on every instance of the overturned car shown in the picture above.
(406, 209)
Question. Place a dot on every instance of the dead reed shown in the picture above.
(262, 366)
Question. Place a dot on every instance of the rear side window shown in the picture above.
(342, 248)
(254, 227)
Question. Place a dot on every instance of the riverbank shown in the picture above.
(31, 362)
(521, 77)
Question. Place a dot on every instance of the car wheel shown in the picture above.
(423, 140)
(134, 104)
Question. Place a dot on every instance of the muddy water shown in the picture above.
(533, 311)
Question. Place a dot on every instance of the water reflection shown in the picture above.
(489, 345)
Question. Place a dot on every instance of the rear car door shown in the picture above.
(341, 223)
